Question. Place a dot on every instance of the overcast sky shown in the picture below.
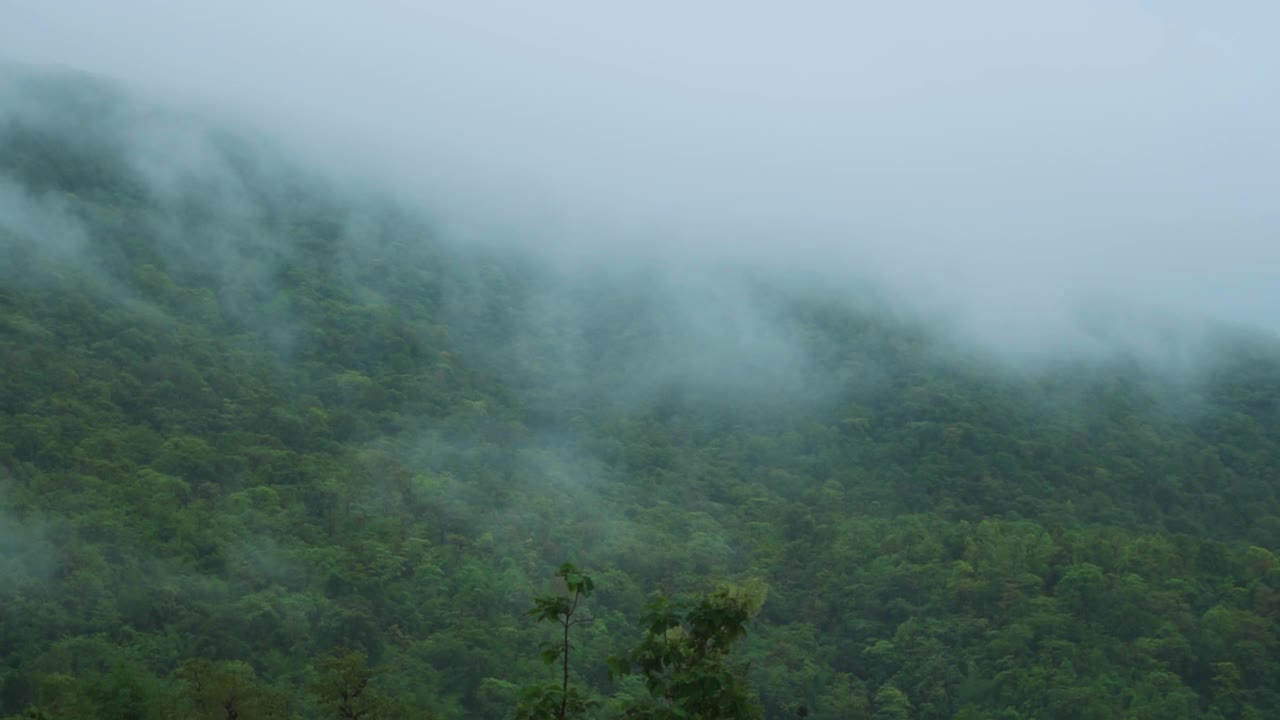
(993, 156)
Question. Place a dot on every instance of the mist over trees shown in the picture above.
(273, 446)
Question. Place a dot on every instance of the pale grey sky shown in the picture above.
(993, 156)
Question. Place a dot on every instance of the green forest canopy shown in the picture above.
(262, 442)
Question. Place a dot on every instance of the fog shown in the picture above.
(1001, 165)
(341, 322)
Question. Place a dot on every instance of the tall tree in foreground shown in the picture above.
(539, 702)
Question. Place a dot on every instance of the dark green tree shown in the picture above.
(228, 691)
(684, 659)
(342, 688)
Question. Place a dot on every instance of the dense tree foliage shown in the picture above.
(683, 659)
(268, 449)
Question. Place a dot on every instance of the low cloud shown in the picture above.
(1003, 165)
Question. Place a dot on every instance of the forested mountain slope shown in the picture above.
(249, 419)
